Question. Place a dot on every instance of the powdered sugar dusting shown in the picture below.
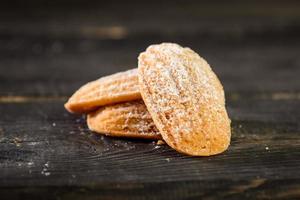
(138, 119)
(185, 98)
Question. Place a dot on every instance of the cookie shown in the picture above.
(130, 119)
(185, 99)
(116, 88)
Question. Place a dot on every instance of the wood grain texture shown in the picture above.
(50, 48)
(49, 148)
(246, 43)
(254, 189)
(258, 66)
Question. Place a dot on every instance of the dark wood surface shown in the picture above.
(49, 49)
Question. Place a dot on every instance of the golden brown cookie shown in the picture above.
(185, 99)
(130, 119)
(116, 88)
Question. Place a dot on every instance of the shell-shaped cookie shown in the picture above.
(185, 99)
(130, 119)
(116, 88)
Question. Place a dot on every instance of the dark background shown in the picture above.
(50, 48)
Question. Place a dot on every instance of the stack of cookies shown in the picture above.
(173, 95)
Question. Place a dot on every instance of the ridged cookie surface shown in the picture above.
(185, 99)
(116, 88)
(130, 119)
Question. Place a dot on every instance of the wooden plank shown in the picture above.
(50, 49)
(186, 17)
(254, 189)
(61, 66)
(42, 145)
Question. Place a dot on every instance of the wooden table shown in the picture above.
(47, 50)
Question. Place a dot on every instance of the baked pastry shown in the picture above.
(130, 119)
(116, 88)
(185, 99)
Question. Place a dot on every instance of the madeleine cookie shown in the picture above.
(185, 99)
(116, 88)
(130, 119)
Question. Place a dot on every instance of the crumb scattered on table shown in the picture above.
(160, 142)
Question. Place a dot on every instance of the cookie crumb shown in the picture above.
(267, 148)
(17, 141)
(160, 142)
